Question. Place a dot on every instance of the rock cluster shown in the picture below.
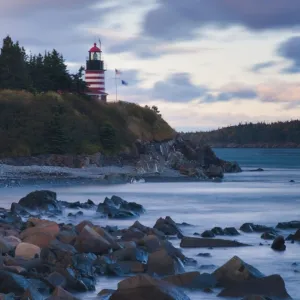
(42, 259)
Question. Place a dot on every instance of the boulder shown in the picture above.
(90, 241)
(147, 288)
(10, 282)
(40, 239)
(161, 263)
(12, 240)
(168, 227)
(56, 279)
(151, 242)
(42, 201)
(214, 171)
(289, 225)
(269, 235)
(130, 254)
(194, 242)
(217, 231)
(295, 236)
(279, 244)
(255, 297)
(10, 296)
(117, 208)
(27, 251)
(250, 227)
(5, 246)
(67, 236)
(192, 280)
(32, 294)
(60, 294)
(236, 270)
(208, 234)
(82, 224)
(270, 286)
(44, 226)
(107, 236)
(231, 231)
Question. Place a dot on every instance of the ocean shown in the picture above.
(265, 198)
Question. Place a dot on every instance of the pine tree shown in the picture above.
(13, 66)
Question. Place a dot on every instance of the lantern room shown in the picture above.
(95, 53)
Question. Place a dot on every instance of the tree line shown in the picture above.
(36, 73)
(249, 133)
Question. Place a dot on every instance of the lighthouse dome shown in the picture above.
(95, 48)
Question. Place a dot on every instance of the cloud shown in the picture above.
(177, 87)
(289, 49)
(261, 66)
(282, 92)
(177, 19)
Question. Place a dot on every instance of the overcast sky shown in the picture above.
(204, 63)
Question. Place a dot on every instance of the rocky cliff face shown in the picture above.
(184, 156)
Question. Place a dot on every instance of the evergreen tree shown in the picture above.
(108, 137)
(13, 66)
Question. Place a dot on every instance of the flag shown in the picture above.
(118, 72)
(124, 82)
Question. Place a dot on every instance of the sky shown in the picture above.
(204, 63)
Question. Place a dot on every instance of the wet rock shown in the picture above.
(117, 208)
(268, 235)
(231, 231)
(147, 230)
(236, 270)
(60, 293)
(147, 288)
(289, 225)
(294, 237)
(255, 297)
(12, 282)
(10, 296)
(193, 242)
(5, 246)
(90, 241)
(204, 254)
(78, 205)
(105, 294)
(257, 170)
(161, 263)
(168, 227)
(214, 171)
(82, 224)
(279, 244)
(56, 279)
(41, 226)
(67, 236)
(218, 231)
(151, 243)
(32, 294)
(208, 234)
(40, 239)
(207, 267)
(107, 236)
(192, 280)
(84, 264)
(184, 224)
(11, 219)
(130, 254)
(27, 251)
(77, 214)
(250, 227)
(42, 201)
(270, 286)
(17, 209)
(129, 267)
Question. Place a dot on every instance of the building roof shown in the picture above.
(95, 48)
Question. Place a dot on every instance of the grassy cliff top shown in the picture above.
(52, 123)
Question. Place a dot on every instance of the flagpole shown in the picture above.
(116, 86)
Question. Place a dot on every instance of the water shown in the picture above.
(259, 197)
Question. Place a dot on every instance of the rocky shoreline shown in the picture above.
(43, 259)
(172, 160)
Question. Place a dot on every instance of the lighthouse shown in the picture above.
(95, 74)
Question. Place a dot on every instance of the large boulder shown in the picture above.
(42, 201)
(194, 242)
(250, 227)
(236, 270)
(147, 288)
(192, 280)
(27, 251)
(89, 241)
(163, 264)
(60, 294)
(270, 286)
(168, 227)
(289, 225)
(279, 244)
(117, 208)
(295, 236)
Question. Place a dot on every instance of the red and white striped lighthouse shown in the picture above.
(95, 74)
